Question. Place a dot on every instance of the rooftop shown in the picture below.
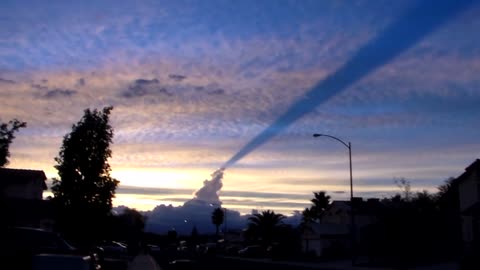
(12, 176)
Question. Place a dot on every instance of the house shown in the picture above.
(21, 198)
(333, 234)
(22, 184)
(469, 194)
(319, 238)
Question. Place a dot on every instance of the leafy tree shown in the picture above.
(7, 134)
(320, 203)
(217, 219)
(85, 189)
(264, 226)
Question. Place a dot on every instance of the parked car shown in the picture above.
(113, 249)
(210, 249)
(252, 251)
(61, 262)
(232, 250)
(22, 244)
(276, 251)
(153, 249)
(183, 264)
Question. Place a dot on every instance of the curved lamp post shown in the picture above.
(352, 217)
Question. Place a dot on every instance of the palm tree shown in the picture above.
(264, 226)
(217, 218)
(320, 203)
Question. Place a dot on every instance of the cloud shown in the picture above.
(146, 82)
(153, 191)
(118, 210)
(144, 87)
(196, 212)
(39, 87)
(226, 193)
(177, 77)
(7, 81)
(183, 218)
(81, 82)
(217, 92)
(59, 93)
(211, 188)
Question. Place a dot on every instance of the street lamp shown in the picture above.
(352, 217)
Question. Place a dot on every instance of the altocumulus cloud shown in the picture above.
(177, 77)
(144, 87)
(58, 93)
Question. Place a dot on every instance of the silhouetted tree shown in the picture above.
(217, 219)
(85, 189)
(194, 235)
(287, 242)
(264, 226)
(404, 186)
(411, 229)
(172, 236)
(133, 224)
(448, 202)
(7, 134)
(320, 203)
(416, 227)
(448, 197)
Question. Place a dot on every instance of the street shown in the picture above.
(143, 262)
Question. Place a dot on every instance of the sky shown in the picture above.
(193, 82)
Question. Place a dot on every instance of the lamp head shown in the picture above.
(317, 135)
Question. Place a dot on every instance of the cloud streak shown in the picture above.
(177, 77)
(58, 93)
(7, 81)
(144, 87)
